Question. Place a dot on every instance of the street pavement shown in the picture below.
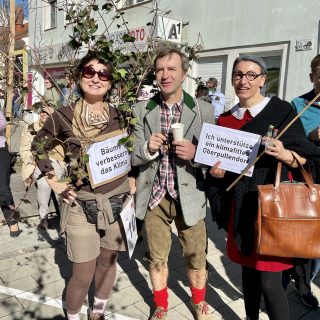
(34, 270)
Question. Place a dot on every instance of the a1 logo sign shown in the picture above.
(175, 31)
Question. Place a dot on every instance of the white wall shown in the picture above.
(226, 28)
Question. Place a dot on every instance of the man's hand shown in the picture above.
(185, 149)
(156, 141)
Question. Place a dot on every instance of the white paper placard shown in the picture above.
(108, 160)
(128, 218)
(234, 148)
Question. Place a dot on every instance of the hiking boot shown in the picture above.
(95, 316)
(202, 311)
(159, 313)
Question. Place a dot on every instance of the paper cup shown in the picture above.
(177, 131)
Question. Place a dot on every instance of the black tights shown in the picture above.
(269, 284)
(6, 199)
(104, 269)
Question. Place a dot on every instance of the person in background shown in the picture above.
(16, 103)
(2, 100)
(217, 97)
(168, 182)
(261, 275)
(92, 244)
(69, 92)
(52, 94)
(30, 173)
(202, 93)
(6, 199)
(304, 271)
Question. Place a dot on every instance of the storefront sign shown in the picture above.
(141, 34)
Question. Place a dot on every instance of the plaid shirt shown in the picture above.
(166, 177)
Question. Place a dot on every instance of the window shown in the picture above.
(133, 2)
(271, 87)
(50, 14)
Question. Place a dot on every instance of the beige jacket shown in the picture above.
(28, 163)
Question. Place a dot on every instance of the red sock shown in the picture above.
(160, 298)
(198, 294)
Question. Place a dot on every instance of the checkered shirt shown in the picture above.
(166, 177)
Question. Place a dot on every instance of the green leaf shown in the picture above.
(122, 72)
(127, 38)
(133, 121)
(85, 158)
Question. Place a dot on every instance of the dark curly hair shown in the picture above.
(91, 55)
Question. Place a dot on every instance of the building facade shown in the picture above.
(285, 33)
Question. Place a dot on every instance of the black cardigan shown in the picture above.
(244, 195)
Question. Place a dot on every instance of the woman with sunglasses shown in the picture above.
(261, 275)
(92, 246)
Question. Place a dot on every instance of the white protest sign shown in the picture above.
(108, 160)
(128, 218)
(234, 148)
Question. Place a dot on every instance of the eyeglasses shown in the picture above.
(42, 111)
(104, 74)
(250, 75)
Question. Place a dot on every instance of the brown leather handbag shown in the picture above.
(288, 221)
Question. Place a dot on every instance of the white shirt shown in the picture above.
(238, 112)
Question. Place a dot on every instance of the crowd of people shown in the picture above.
(168, 185)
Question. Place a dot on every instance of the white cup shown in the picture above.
(177, 131)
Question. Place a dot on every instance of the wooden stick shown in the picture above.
(245, 170)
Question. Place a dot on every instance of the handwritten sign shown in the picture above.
(108, 160)
(234, 148)
(128, 218)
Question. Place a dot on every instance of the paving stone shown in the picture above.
(9, 305)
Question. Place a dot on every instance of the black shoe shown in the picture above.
(310, 300)
(43, 224)
(15, 234)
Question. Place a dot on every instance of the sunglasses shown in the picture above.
(104, 74)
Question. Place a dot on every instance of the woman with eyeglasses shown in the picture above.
(261, 275)
(94, 236)
(52, 94)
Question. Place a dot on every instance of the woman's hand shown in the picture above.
(63, 189)
(276, 149)
(132, 185)
(217, 172)
(314, 135)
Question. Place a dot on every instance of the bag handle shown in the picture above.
(246, 169)
(306, 176)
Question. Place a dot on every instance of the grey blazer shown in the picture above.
(192, 199)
